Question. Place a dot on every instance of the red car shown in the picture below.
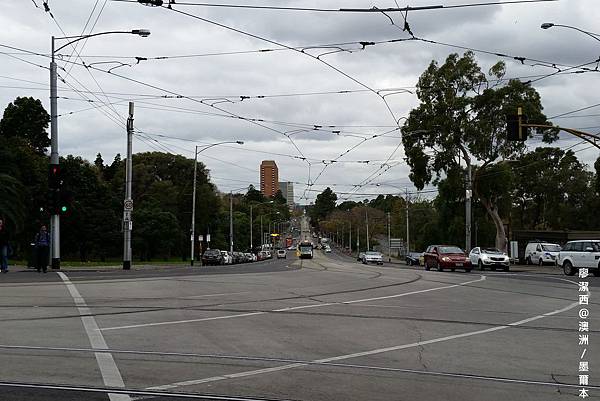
(443, 257)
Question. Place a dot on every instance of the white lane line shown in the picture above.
(132, 326)
(360, 354)
(108, 368)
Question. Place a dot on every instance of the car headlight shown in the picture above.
(446, 259)
(467, 260)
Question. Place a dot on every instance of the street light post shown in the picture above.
(193, 225)
(548, 25)
(54, 156)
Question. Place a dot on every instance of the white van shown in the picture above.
(540, 253)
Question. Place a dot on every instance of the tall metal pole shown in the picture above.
(357, 241)
(128, 203)
(407, 223)
(262, 234)
(251, 245)
(367, 219)
(193, 226)
(468, 196)
(231, 222)
(389, 224)
(54, 218)
(350, 240)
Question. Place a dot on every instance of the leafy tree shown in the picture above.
(324, 204)
(460, 121)
(26, 120)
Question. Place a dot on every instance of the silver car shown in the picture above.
(489, 257)
(372, 257)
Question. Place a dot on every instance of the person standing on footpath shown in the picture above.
(42, 247)
(3, 246)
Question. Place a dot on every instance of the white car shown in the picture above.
(227, 258)
(281, 254)
(580, 254)
(540, 253)
(327, 249)
(489, 257)
(372, 257)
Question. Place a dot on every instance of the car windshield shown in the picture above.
(449, 249)
(373, 254)
(550, 247)
(495, 251)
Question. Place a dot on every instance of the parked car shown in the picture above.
(281, 254)
(372, 257)
(248, 257)
(327, 249)
(212, 257)
(489, 257)
(227, 258)
(414, 258)
(538, 252)
(580, 254)
(443, 257)
(360, 256)
(238, 257)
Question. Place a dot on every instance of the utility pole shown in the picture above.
(407, 223)
(367, 219)
(251, 245)
(231, 222)
(357, 241)
(128, 203)
(350, 240)
(389, 237)
(193, 228)
(262, 234)
(468, 196)
(54, 218)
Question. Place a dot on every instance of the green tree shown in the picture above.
(460, 121)
(26, 119)
(324, 204)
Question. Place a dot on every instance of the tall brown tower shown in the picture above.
(269, 178)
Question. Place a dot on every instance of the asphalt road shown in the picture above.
(322, 329)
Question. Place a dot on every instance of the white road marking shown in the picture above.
(360, 354)
(217, 295)
(108, 368)
(132, 326)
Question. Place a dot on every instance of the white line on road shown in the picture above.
(132, 326)
(360, 354)
(108, 368)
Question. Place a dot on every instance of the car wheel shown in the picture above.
(527, 260)
(427, 266)
(596, 273)
(409, 262)
(493, 268)
(541, 262)
(439, 268)
(506, 269)
(568, 268)
(480, 266)
(452, 270)
(468, 270)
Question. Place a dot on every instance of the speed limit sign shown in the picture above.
(128, 204)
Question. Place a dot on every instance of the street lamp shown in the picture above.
(54, 159)
(548, 25)
(251, 221)
(193, 228)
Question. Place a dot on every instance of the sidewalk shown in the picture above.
(98, 268)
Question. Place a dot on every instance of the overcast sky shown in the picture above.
(213, 85)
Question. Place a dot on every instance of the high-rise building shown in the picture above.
(269, 178)
(287, 190)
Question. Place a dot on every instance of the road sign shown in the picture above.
(201, 238)
(396, 243)
(128, 204)
(207, 237)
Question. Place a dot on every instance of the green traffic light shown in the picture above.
(63, 209)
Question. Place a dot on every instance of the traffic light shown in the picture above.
(54, 177)
(65, 202)
(514, 126)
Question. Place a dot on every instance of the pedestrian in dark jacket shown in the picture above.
(3, 247)
(42, 247)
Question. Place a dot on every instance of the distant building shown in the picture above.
(287, 190)
(269, 178)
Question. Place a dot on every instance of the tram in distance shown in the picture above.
(306, 250)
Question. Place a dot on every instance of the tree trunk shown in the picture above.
(492, 210)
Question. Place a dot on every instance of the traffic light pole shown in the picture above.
(128, 203)
(54, 218)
